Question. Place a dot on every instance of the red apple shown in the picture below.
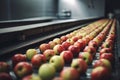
(48, 54)
(74, 49)
(5, 76)
(67, 56)
(63, 38)
(82, 42)
(75, 38)
(100, 73)
(18, 58)
(86, 56)
(79, 45)
(108, 56)
(37, 60)
(69, 74)
(90, 49)
(23, 69)
(105, 50)
(58, 49)
(103, 62)
(80, 65)
(93, 43)
(4, 67)
(66, 45)
(44, 46)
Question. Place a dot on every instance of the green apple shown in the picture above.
(47, 71)
(57, 62)
(32, 77)
(80, 65)
(30, 53)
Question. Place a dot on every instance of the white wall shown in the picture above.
(83, 8)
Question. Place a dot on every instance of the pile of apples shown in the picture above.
(67, 57)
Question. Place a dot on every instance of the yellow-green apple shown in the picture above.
(23, 69)
(86, 56)
(4, 67)
(74, 49)
(70, 41)
(80, 65)
(108, 56)
(37, 60)
(44, 46)
(30, 53)
(18, 58)
(63, 38)
(5, 76)
(52, 44)
(32, 77)
(58, 62)
(47, 71)
(58, 49)
(90, 49)
(57, 40)
(67, 56)
(69, 74)
(48, 54)
(100, 73)
(66, 45)
(105, 50)
(103, 62)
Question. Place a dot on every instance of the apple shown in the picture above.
(82, 42)
(67, 56)
(66, 45)
(69, 74)
(93, 43)
(57, 62)
(100, 73)
(44, 46)
(80, 65)
(47, 71)
(5, 76)
(30, 53)
(90, 49)
(103, 62)
(105, 50)
(52, 44)
(70, 41)
(18, 58)
(58, 49)
(57, 40)
(32, 77)
(74, 49)
(79, 45)
(86, 56)
(75, 38)
(37, 60)
(23, 69)
(108, 56)
(107, 45)
(4, 67)
(63, 38)
(48, 54)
